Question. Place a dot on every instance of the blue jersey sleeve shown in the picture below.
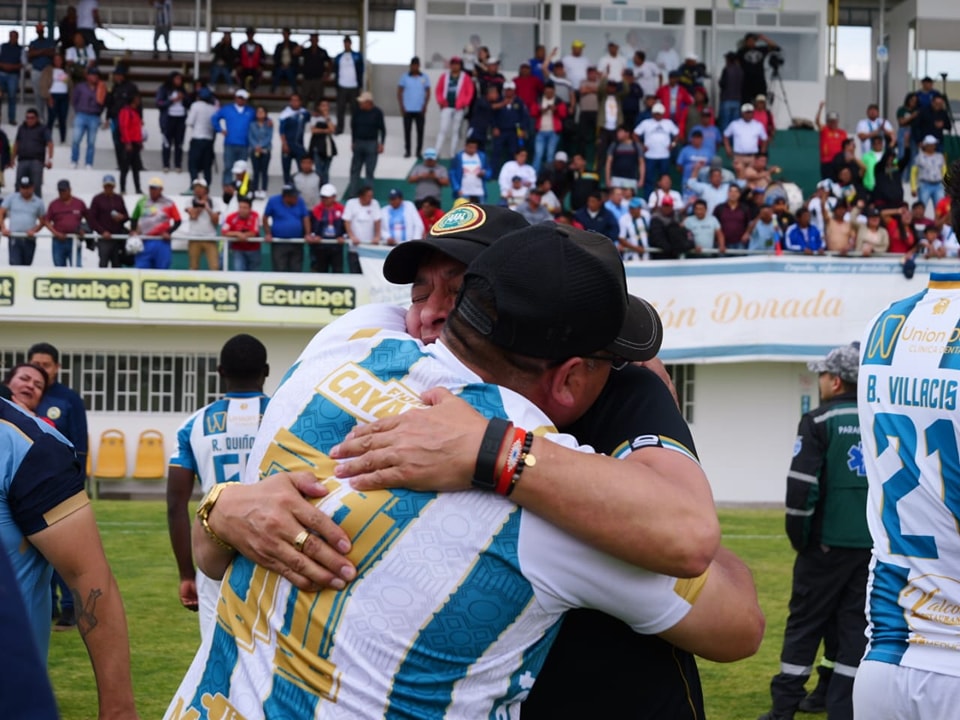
(183, 456)
(47, 486)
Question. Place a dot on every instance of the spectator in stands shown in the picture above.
(118, 98)
(931, 246)
(202, 233)
(576, 63)
(162, 22)
(734, 219)
(108, 217)
(540, 62)
(631, 98)
(752, 58)
(612, 65)
(648, 73)
(634, 231)
(560, 175)
(617, 202)
(88, 20)
(515, 194)
(926, 175)
(839, 232)
(763, 234)
(130, 125)
(609, 118)
(715, 192)
(250, 62)
(11, 63)
(399, 220)
(691, 158)
(583, 182)
(286, 217)
(67, 28)
(491, 77)
(624, 166)
(549, 114)
(927, 93)
(348, 76)
(225, 59)
(897, 223)
(87, 107)
(307, 182)
(294, 121)
(847, 159)
(588, 100)
(695, 112)
(659, 136)
(173, 103)
(413, 93)
(744, 138)
(668, 58)
(528, 86)
(361, 219)
(874, 126)
(595, 217)
(428, 177)
(430, 212)
(286, 63)
(871, 239)
(40, 54)
(871, 160)
(314, 65)
(664, 191)
(731, 89)
(667, 234)
(692, 73)
(675, 100)
(511, 126)
(454, 93)
(200, 123)
(758, 175)
(156, 217)
(802, 237)
(936, 120)
(469, 172)
(32, 142)
(241, 227)
(821, 205)
(55, 92)
(65, 218)
(369, 134)
(24, 213)
(908, 116)
(260, 139)
(565, 93)
(712, 137)
(763, 116)
(782, 214)
(704, 229)
(832, 139)
(234, 122)
(328, 251)
(518, 167)
(532, 209)
(322, 146)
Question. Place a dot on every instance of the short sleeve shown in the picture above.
(183, 456)
(48, 485)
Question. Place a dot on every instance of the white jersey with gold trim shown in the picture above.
(908, 394)
(458, 595)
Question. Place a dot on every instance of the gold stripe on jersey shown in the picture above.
(249, 620)
(288, 453)
(944, 285)
(363, 395)
(365, 333)
(67, 507)
(689, 588)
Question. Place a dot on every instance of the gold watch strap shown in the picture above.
(203, 512)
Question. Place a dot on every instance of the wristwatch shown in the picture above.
(206, 505)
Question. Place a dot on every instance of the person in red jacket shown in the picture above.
(529, 87)
(548, 115)
(250, 63)
(130, 126)
(454, 93)
(676, 100)
(832, 138)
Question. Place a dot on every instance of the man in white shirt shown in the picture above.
(874, 126)
(517, 167)
(362, 218)
(668, 58)
(399, 220)
(576, 63)
(612, 65)
(744, 139)
(664, 194)
(658, 135)
(634, 226)
(648, 74)
(348, 71)
(202, 233)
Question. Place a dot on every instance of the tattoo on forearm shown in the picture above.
(86, 615)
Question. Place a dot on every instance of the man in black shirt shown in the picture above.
(369, 133)
(314, 65)
(752, 58)
(33, 149)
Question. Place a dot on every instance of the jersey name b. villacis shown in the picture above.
(907, 395)
(458, 595)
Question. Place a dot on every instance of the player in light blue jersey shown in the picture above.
(213, 445)
(46, 521)
(909, 390)
(457, 595)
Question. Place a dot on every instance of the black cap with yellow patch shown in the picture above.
(463, 233)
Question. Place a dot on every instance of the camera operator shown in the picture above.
(752, 57)
(204, 220)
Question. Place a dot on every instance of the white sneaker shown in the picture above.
(88, 166)
(73, 165)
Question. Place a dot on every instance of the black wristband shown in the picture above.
(484, 473)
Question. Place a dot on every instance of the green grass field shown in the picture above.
(164, 637)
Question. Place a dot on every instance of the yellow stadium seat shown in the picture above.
(151, 461)
(111, 459)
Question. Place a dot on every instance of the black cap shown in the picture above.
(463, 233)
(63, 185)
(289, 190)
(121, 69)
(523, 271)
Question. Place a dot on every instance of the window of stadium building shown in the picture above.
(124, 382)
(683, 378)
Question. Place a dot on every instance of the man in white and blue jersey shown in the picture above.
(457, 595)
(46, 521)
(908, 395)
(213, 445)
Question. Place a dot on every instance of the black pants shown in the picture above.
(345, 96)
(173, 137)
(409, 120)
(111, 252)
(586, 136)
(286, 257)
(130, 162)
(829, 585)
(200, 159)
(329, 257)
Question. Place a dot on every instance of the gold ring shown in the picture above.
(300, 540)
